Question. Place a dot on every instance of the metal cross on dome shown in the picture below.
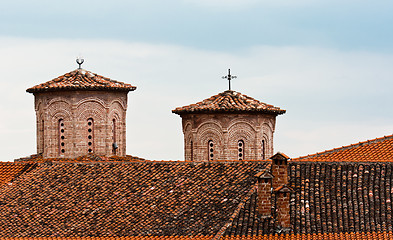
(229, 77)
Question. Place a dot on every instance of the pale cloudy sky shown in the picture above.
(328, 63)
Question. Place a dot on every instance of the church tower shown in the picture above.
(228, 126)
(79, 113)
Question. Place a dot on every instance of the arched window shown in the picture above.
(61, 128)
(240, 149)
(210, 147)
(114, 137)
(90, 135)
(263, 148)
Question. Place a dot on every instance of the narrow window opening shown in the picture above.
(61, 137)
(211, 150)
(263, 149)
(114, 137)
(192, 151)
(240, 149)
(42, 136)
(90, 135)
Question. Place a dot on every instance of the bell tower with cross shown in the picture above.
(228, 126)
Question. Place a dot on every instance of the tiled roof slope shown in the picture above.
(81, 79)
(322, 236)
(230, 101)
(329, 198)
(248, 222)
(82, 159)
(376, 150)
(125, 199)
(341, 197)
(9, 171)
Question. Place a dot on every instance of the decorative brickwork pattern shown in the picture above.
(226, 119)
(65, 106)
(226, 130)
(63, 118)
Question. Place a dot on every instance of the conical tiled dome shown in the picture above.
(229, 101)
(81, 79)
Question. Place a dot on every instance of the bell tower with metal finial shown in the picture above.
(81, 113)
(228, 126)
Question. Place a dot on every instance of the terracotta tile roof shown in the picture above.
(341, 197)
(376, 150)
(230, 101)
(9, 171)
(125, 199)
(37, 158)
(328, 198)
(321, 236)
(81, 79)
(248, 222)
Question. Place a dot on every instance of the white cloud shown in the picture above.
(324, 90)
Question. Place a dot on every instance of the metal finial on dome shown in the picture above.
(80, 61)
(229, 77)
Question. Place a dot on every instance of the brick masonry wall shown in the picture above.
(282, 209)
(280, 173)
(264, 200)
(75, 108)
(226, 129)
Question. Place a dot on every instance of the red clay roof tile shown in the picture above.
(37, 158)
(318, 236)
(341, 197)
(9, 171)
(376, 150)
(229, 101)
(81, 79)
(125, 199)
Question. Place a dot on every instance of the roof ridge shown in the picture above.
(359, 144)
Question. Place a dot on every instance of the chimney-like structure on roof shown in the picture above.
(228, 126)
(279, 170)
(264, 197)
(281, 190)
(81, 113)
(283, 217)
(273, 189)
